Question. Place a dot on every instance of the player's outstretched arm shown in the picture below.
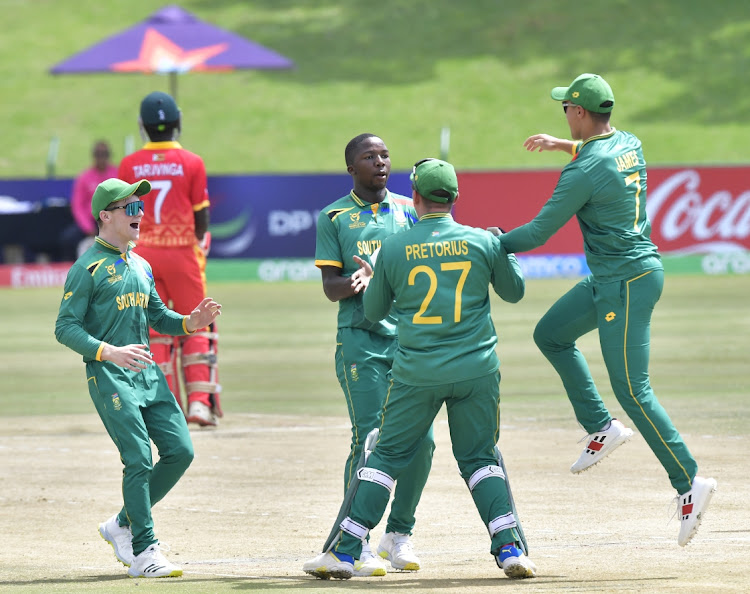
(545, 142)
(203, 314)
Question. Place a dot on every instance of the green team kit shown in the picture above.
(364, 349)
(109, 298)
(439, 274)
(604, 186)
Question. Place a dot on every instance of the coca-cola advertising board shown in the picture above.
(695, 210)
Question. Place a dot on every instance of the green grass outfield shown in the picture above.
(399, 69)
(277, 342)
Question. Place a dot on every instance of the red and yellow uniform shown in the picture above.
(168, 242)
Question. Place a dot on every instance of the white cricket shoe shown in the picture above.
(691, 507)
(342, 567)
(369, 563)
(121, 539)
(515, 564)
(600, 444)
(152, 564)
(201, 414)
(397, 548)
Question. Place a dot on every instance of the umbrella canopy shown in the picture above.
(172, 40)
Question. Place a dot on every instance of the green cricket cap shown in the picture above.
(590, 91)
(432, 175)
(113, 190)
(159, 108)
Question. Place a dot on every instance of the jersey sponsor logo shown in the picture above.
(159, 169)
(158, 157)
(67, 295)
(627, 161)
(400, 217)
(610, 316)
(132, 299)
(439, 249)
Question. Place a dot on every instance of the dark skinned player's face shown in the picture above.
(372, 165)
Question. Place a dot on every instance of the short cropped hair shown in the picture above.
(600, 118)
(351, 148)
(162, 132)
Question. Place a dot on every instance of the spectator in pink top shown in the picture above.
(77, 238)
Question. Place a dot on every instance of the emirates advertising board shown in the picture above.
(263, 226)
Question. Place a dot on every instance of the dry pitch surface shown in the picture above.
(263, 491)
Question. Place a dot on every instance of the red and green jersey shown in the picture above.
(604, 186)
(352, 227)
(109, 297)
(435, 278)
(179, 189)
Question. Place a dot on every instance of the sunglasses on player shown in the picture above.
(131, 209)
(566, 105)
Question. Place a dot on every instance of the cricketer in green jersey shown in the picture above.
(356, 224)
(604, 186)
(435, 278)
(109, 302)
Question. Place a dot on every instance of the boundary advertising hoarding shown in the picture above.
(702, 212)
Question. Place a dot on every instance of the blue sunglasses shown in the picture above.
(131, 209)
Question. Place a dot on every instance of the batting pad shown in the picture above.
(346, 505)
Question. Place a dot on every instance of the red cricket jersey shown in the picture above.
(178, 182)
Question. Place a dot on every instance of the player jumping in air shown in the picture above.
(604, 186)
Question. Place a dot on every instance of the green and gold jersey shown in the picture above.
(604, 186)
(109, 297)
(436, 278)
(352, 227)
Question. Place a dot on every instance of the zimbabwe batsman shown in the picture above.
(175, 241)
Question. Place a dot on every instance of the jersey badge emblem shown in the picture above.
(353, 372)
(355, 222)
(399, 216)
(113, 276)
(116, 401)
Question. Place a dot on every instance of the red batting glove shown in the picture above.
(205, 243)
